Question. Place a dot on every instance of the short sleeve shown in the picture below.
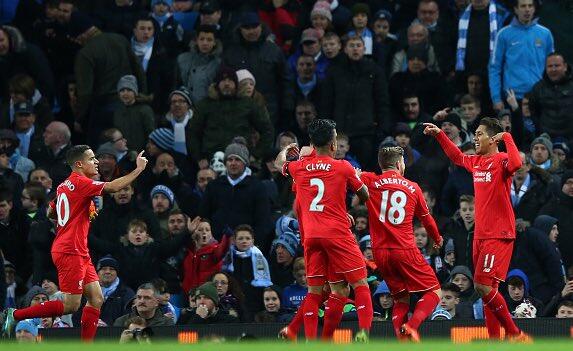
(353, 179)
(89, 187)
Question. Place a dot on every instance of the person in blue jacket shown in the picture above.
(519, 54)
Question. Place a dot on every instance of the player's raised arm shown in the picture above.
(447, 145)
(120, 183)
(514, 160)
(290, 151)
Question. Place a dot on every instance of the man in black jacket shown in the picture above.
(355, 95)
(207, 311)
(116, 294)
(238, 198)
(14, 229)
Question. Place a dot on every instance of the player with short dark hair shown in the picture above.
(72, 210)
(494, 232)
(330, 250)
(394, 202)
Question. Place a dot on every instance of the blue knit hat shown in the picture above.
(166, 2)
(28, 326)
(285, 223)
(163, 138)
(162, 189)
(289, 241)
(382, 289)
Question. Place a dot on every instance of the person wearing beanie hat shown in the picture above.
(179, 115)
(320, 16)
(116, 294)
(162, 139)
(243, 74)
(560, 149)
(162, 198)
(128, 82)
(226, 82)
(542, 153)
(207, 310)
(239, 151)
(26, 331)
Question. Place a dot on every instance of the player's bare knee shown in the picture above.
(71, 304)
(96, 301)
(482, 289)
(340, 288)
(315, 289)
(361, 282)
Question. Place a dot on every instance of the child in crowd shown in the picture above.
(204, 256)
(426, 246)
(34, 199)
(165, 306)
(295, 293)
(343, 150)
(273, 310)
(383, 302)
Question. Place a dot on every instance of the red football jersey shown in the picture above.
(492, 175)
(392, 205)
(73, 201)
(321, 184)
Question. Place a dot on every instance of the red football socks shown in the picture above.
(45, 309)
(492, 324)
(424, 308)
(399, 314)
(311, 305)
(332, 315)
(90, 317)
(294, 325)
(496, 304)
(364, 309)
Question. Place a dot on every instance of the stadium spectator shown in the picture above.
(469, 299)
(293, 294)
(231, 297)
(305, 112)
(125, 157)
(310, 45)
(145, 306)
(551, 98)
(461, 230)
(458, 183)
(207, 310)
(281, 260)
(9, 143)
(165, 306)
(417, 35)
(426, 247)
(523, 39)
(450, 301)
(565, 310)
(116, 294)
(385, 43)
(134, 119)
(331, 46)
(167, 28)
(52, 155)
(321, 17)
(27, 331)
(273, 312)
(518, 292)
(542, 156)
(26, 129)
(305, 85)
(107, 166)
(197, 68)
(134, 332)
(163, 200)
(530, 189)
(14, 235)
(50, 284)
(383, 302)
(35, 296)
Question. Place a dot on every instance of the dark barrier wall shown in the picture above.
(458, 331)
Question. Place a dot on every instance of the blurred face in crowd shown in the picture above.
(221, 283)
(107, 163)
(24, 121)
(411, 108)
(428, 13)
(5, 208)
(381, 28)
(320, 22)
(203, 234)
(516, 292)
(165, 162)
(525, 107)
(561, 155)
(567, 188)
(127, 96)
(235, 167)
(272, 301)
(300, 277)
(331, 47)
(343, 148)
(24, 336)
(176, 223)
(285, 140)
(449, 300)
(50, 287)
(463, 282)
(123, 196)
(524, 11)
(470, 111)
(205, 301)
(38, 299)
(311, 47)
(403, 140)
(505, 122)
(554, 233)
(283, 256)
(137, 235)
(107, 276)
(119, 142)
(564, 312)
(27, 202)
(480, 4)
(556, 68)
(305, 68)
(206, 42)
(467, 212)
(474, 85)
(417, 34)
(65, 11)
(160, 203)
(304, 115)
(354, 49)
(179, 106)
(4, 43)
(360, 21)
(251, 33)
(10, 274)
(367, 253)
(451, 130)
(143, 31)
(416, 65)
(386, 301)
(160, 9)
(539, 153)
(361, 223)
(145, 301)
(41, 177)
(204, 176)
(421, 237)
(52, 135)
(227, 87)
(248, 86)
(244, 240)
(211, 18)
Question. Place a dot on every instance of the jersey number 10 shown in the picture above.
(63, 209)
(396, 213)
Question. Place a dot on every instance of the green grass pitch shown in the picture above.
(377, 345)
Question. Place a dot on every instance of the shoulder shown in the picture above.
(544, 30)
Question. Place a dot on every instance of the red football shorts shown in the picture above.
(74, 272)
(491, 258)
(405, 270)
(334, 260)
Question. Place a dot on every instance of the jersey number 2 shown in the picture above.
(314, 206)
(63, 209)
(396, 213)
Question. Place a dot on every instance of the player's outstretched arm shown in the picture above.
(447, 145)
(120, 183)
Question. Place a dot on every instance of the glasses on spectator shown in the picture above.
(220, 282)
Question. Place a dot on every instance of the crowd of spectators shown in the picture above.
(213, 89)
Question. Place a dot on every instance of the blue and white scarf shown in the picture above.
(261, 271)
(110, 290)
(143, 51)
(162, 19)
(463, 33)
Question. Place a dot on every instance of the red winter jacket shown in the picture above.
(283, 21)
(199, 265)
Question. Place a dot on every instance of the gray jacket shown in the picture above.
(197, 71)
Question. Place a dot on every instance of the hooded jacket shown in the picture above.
(511, 303)
(562, 209)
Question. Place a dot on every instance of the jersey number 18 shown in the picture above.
(396, 213)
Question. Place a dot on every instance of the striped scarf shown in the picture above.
(463, 26)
